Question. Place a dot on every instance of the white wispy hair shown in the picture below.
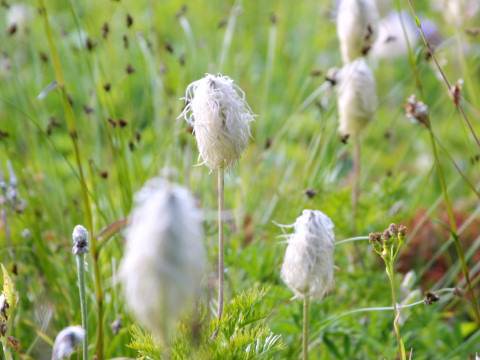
(66, 341)
(357, 27)
(164, 258)
(220, 116)
(308, 263)
(356, 97)
(391, 42)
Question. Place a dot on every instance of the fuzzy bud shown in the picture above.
(66, 341)
(308, 263)
(164, 257)
(220, 116)
(357, 27)
(357, 97)
(80, 240)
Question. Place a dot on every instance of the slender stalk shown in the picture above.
(83, 301)
(401, 347)
(449, 86)
(6, 350)
(356, 182)
(70, 118)
(221, 189)
(306, 303)
(454, 230)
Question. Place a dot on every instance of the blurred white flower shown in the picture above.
(164, 257)
(357, 27)
(18, 17)
(66, 341)
(391, 42)
(308, 263)
(357, 97)
(220, 116)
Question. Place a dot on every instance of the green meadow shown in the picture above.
(111, 76)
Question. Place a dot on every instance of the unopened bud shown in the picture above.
(80, 240)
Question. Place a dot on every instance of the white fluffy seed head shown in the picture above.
(391, 41)
(308, 263)
(164, 257)
(66, 341)
(357, 27)
(221, 117)
(356, 96)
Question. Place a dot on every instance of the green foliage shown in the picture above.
(241, 334)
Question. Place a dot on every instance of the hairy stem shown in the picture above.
(70, 118)
(221, 172)
(401, 347)
(83, 301)
(306, 303)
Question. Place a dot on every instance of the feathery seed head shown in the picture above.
(220, 116)
(357, 97)
(308, 263)
(66, 341)
(80, 240)
(357, 27)
(164, 257)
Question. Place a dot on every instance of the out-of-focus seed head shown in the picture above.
(66, 341)
(164, 257)
(221, 117)
(357, 27)
(308, 263)
(357, 97)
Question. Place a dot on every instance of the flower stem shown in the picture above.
(401, 347)
(221, 189)
(83, 301)
(306, 302)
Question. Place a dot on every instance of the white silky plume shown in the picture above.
(356, 97)
(308, 263)
(221, 117)
(66, 341)
(164, 258)
(357, 27)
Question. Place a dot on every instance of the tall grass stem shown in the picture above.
(70, 118)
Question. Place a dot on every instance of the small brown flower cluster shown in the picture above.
(388, 243)
(417, 111)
